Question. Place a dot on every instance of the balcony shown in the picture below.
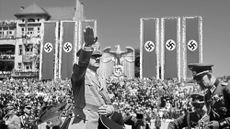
(6, 57)
(23, 74)
(4, 74)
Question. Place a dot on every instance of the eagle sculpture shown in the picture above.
(118, 54)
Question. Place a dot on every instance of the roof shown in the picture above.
(61, 13)
(54, 13)
(32, 9)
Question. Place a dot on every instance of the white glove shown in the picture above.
(106, 110)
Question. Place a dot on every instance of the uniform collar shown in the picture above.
(92, 72)
(213, 88)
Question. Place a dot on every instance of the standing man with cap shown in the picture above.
(191, 118)
(89, 89)
(217, 96)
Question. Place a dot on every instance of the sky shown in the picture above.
(118, 22)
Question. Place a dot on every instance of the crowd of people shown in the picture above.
(31, 94)
(149, 96)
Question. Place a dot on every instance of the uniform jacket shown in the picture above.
(217, 100)
(89, 91)
(190, 120)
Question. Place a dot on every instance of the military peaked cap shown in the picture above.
(96, 53)
(199, 70)
(197, 98)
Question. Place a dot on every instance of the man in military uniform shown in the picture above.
(192, 118)
(91, 99)
(27, 119)
(217, 96)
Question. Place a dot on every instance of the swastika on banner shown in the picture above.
(170, 45)
(67, 47)
(192, 45)
(149, 46)
(48, 47)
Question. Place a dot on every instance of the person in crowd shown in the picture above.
(12, 121)
(92, 102)
(2, 122)
(27, 120)
(158, 122)
(193, 117)
(217, 96)
(137, 121)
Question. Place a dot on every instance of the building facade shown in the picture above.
(20, 39)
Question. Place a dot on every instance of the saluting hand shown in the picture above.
(89, 37)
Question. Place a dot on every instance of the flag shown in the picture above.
(149, 47)
(68, 45)
(170, 46)
(49, 51)
(192, 43)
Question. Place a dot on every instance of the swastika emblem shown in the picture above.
(192, 45)
(149, 46)
(170, 45)
(67, 47)
(118, 70)
(48, 47)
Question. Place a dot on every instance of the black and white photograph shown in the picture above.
(114, 64)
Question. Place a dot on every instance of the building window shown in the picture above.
(38, 30)
(5, 28)
(29, 48)
(38, 19)
(23, 20)
(30, 31)
(31, 20)
(37, 65)
(20, 49)
(23, 31)
(19, 65)
(1, 34)
(28, 66)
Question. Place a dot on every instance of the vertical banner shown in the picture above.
(192, 43)
(48, 57)
(67, 48)
(149, 47)
(170, 48)
(129, 63)
(82, 27)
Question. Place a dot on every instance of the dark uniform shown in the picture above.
(28, 119)
(217, 97)
(191, 119)
(27, 122)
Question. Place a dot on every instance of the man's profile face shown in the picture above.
(94, 61)
(204, 82)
